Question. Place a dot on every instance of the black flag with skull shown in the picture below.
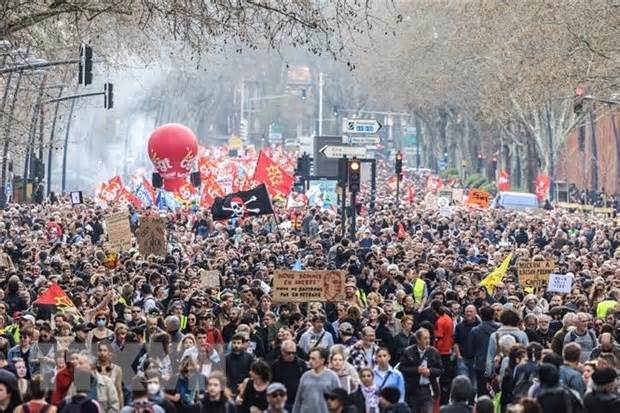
(243, 204)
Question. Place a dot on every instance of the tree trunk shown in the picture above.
(594, 155)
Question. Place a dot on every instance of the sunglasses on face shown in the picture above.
(277, 394)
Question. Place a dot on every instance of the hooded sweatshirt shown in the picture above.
(478, 342)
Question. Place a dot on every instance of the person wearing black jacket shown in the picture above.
(421, 367)
(289, 368)
(604, 395)
(478, 344)
(238, 362)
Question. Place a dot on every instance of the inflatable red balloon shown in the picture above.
(172, 149)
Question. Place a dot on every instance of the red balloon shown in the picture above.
(172, 149)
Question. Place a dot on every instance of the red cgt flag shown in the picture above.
(276, 179)
(54, 295)
(210, 190)
(503, 182)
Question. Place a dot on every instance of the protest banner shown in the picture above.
(534, 274)
(119, 231)
(210, 278)
(560, 283)
(305, 286)
(152, 236)
(478, 198)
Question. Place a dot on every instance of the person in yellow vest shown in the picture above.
(605, 307)
(420, 289)
(351, 295)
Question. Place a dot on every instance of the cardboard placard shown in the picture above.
(457, 195)
(560, 283)
(152, 236)
(210, 278)
(119, 231)
(478, 198)
(291, 286)
(534, 274)
(76, 197)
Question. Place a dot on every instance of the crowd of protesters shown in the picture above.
(416, 331)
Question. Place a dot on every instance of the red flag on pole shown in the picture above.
(503, 182)
(410, 194)
(54, 295)
(276, 179)
(543, 183)
(210, 190)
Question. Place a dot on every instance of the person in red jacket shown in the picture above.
(63, 381)
(444, 342)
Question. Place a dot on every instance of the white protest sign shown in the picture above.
(445, 211)
(560, 283)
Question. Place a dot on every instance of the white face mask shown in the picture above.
(127, 316)
(152, 388)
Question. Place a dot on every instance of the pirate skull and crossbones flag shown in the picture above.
(242, 204)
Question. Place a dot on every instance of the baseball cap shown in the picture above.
(29, 317)
(274, 387)
(346, 328)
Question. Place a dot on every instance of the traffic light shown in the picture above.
(85, 75)
(108, 95)
(304, 164)
(354, 175)
(343, 172)
(398, 164)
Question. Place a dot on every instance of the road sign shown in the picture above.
(275, 133)
(360, 126)
(243, 129)
(334, 151)
(361, 140)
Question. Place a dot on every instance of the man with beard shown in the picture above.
(543, 332)
(234, 319)
(222, 311)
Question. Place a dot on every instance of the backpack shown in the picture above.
(73, 405)
(570, 402)
(572, 336)
(143, 407)
(522, 386)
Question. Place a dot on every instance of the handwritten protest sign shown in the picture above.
(534, 274)
(560, 283)
(478, 198)
(210, 278)
(119, 231)
(152, 236)
(305, 286)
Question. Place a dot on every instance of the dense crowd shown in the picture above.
(415, 332)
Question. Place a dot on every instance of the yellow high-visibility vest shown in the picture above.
(418, 290)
